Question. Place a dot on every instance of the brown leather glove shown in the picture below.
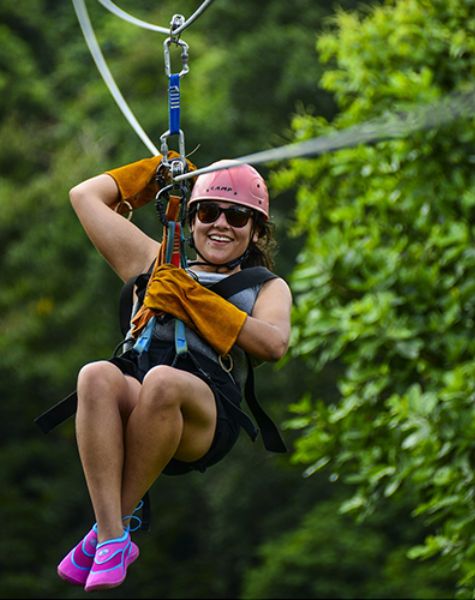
(136, 181)
(171, 290)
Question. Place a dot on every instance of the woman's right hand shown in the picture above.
(137, 181)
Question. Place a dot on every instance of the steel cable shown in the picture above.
(113, 8)
(91, 41)
(118, 12)
(393, 126)
(200, 10)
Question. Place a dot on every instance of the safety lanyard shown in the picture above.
(174, 88)
(170, 201)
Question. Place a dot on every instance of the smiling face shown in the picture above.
(219, 242)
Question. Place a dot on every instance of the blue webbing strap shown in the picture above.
(181, 347)
(143, 342)
(174, 103)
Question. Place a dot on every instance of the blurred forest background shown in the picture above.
(376, 397)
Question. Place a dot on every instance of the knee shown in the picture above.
(160, 388)
(97, 378)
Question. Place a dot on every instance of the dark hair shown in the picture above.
(260, 253)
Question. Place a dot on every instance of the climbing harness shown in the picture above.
(225, 288)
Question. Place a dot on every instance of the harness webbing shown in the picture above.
(171, 248)
(226, 288)
(171, 252)
(174, 103)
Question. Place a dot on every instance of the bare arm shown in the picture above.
(125, 247)
(266, 333)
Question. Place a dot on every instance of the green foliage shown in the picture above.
(384, 285)
(326, 556)
(58, 299)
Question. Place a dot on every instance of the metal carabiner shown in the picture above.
(164, 145)
(184, 55)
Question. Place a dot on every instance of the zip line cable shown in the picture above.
(91, 41)
(395, 125)
(193, 17)
(118, 12)
(101, 64)
(113, 8)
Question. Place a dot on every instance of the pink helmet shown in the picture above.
(238, 183)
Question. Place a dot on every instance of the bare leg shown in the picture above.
(127, 433)
(174, 417)
(105, 399)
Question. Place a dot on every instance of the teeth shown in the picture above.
(220, 238)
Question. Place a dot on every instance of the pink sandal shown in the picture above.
(109, 567)
(76, 565)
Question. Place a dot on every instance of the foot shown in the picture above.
(109, 567)
(76, 565)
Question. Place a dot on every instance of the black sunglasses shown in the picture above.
(236, 216)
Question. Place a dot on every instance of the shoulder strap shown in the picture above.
(241, 280)
(269, 431)
(226, 288)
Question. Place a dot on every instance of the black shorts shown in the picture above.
(226, 392)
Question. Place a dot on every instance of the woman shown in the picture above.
(143, 414)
